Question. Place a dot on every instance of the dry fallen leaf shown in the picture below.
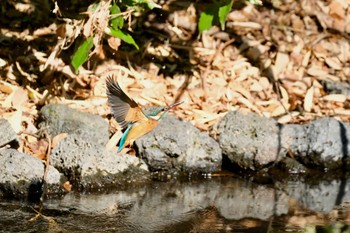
(308, 100)
(6, 87)
(67, 186)
(19, 98)
(291, 40)
(333, 62)
(335, 97)
(39, 148)
(281, 63)
(317, 72)
(15, 120)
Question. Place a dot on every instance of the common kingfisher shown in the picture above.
(134, 121)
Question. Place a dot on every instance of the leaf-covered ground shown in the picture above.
(289, 60)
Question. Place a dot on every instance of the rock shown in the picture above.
(333, 87)
(8, 135)
(89, 166)
(253, 142)
(323, 144)
(289, 166)
(114, 170)
(295, 138)
(21, 175)
(58, 118)
(250, 141)
(178, 146)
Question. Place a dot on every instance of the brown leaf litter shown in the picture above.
(271, 61)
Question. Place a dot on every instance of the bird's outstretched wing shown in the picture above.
(125, 110)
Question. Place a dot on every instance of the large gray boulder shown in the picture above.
(21, 176)
(248, 140)
(90, 166)
(82, 156)
(58, 118)
(177, 145)
(254, 142)
(323, 144)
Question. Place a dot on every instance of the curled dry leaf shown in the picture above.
(67, 186)
(114, 43)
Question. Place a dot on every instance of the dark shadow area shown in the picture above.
(344, 167)
(35, 191)
(229, 166)
(26, 15)
(19, 53)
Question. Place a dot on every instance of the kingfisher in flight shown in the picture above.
(134, 121)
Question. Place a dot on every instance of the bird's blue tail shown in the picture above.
(123, 138)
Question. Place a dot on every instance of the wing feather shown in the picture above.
(125, 110)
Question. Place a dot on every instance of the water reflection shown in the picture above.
(220, 204)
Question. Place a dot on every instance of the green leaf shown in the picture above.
(116, 22)
(224, 9)
(124, 36)
(205, 21)
(82, 53)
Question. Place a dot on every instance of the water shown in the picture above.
(217, 204)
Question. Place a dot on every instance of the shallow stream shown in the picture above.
(214, 204)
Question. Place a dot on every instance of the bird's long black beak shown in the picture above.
(173, 106)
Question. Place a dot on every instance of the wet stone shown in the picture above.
(21, 176)
(322, 144)
(177, 145)
(90, 166)
(290, 166)
(248, 140)
(59, 118)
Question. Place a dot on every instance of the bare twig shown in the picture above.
(47, 165)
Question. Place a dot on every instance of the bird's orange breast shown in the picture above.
(141, 128)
